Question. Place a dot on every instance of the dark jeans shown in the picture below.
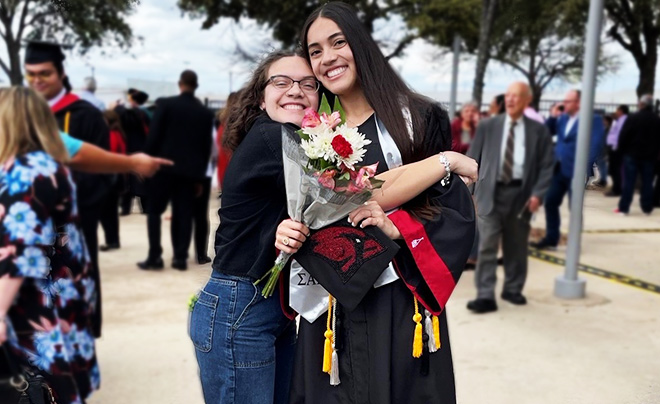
(164, 188)
(559, 187)
(615, 169)
(201, 220)
(631, 168)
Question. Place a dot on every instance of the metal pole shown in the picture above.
(454, 77)
(568, 286)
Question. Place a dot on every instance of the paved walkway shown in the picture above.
(603, 349)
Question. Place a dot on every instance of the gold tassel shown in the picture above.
(327, 350)
(436, 331)
(67, 120)
(417, 340)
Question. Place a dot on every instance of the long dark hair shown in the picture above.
(385, 91)
(247, 108)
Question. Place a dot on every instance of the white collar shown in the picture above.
(57, 98)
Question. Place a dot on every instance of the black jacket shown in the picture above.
(181, 130)
(640, 135)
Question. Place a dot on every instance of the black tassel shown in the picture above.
(424, 368)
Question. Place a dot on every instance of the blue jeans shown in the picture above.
(244, 344)
(559, 186)
(631, 167)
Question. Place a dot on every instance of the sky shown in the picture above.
(172, 43)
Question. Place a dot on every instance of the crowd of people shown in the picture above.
(456, 193)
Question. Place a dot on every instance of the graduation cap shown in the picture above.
(43, 51)
(140, 97)
(347, 260)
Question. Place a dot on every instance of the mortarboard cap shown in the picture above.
(41, 51)
(347, 260)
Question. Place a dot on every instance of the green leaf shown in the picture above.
(340, 109)
(345, 176)
(325, 106)
(375, 183)
(303, 135)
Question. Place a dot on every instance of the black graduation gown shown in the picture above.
(135, 123)
(374, 341)
(86, 123)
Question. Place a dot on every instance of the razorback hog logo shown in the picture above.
(345, 248)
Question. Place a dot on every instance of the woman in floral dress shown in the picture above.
(45, 287)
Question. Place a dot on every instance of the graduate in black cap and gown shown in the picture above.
(393, 346)
(44, 72)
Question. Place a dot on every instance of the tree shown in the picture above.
(543, 40)
(286, 17)
(636, 27)
(84, 23)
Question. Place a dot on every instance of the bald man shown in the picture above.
(515, 160)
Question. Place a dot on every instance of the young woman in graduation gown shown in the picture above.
(376, 340)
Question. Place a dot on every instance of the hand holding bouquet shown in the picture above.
(323, 181)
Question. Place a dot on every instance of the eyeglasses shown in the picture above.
(281, 82)
(44, 74)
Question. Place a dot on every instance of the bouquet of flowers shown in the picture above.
(323, 182)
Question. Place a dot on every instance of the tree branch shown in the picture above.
(5, 67)
(21, 25)
(401, 46)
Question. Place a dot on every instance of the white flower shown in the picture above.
(20, 220)
(42, 163)
(47, 343)
(19, 179)
(66, 290)
(74, 241)
(319, 145)
(33, 263)
(45, 237)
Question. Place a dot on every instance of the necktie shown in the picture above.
(507, 167)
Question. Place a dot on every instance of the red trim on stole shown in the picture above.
(433, 269)
(67, 100)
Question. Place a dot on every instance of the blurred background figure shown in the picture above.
(88, 93)
(602, 159)
(135, 121)
(515, 159)
(615, 166)
(224, 154)
(180, 131)
(464, 127)
(639, 144)
(110, 213)
(565, 150)
(496, 106)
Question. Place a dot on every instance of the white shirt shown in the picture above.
(518, 147)
(57, 98)
(570, 123)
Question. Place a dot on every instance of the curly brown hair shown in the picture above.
(247, 108)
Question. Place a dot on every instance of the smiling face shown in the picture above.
(288, 105)
(44, 78)
(331, 57)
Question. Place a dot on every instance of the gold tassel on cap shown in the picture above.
(417, 340)
(436, 332)
(327, 351)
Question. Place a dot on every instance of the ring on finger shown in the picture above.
(285, 241)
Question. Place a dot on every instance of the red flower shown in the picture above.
(342, 146)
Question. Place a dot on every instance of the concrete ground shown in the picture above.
(603, 349)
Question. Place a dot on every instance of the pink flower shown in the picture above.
(361, 179)
(331, 120)
(326, 179)
(311, 118)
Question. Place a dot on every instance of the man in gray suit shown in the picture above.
(516, 161)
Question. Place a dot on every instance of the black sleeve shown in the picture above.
(156, 129)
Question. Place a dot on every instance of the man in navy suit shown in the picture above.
(565, 150)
